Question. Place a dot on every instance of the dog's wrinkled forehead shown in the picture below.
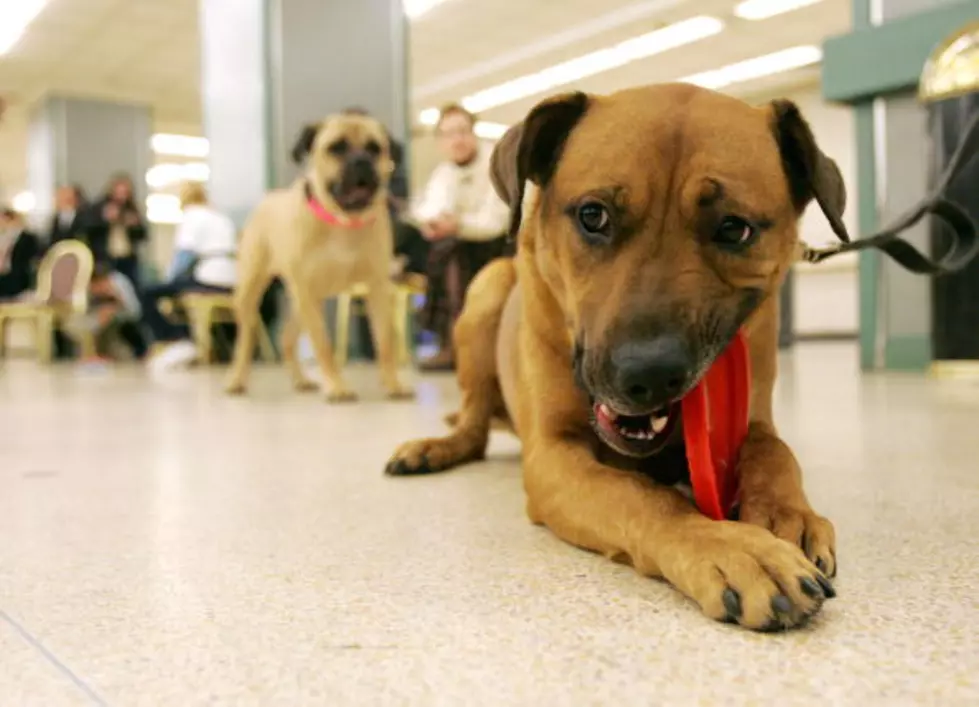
(665, 137)
(358, 130)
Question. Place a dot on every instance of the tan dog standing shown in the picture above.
(661, 220)
(327, 232)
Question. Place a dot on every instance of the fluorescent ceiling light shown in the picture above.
(24, 202)
(767, 65)
(15, 16)
(429, 116)
(163, 208)
(179, 145)
(416, 8)
(166, 174)
(490, 131)
(641, 47)
(763, 9)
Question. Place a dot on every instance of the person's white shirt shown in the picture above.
(212, 237)
(467, 193)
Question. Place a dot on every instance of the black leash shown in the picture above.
(965, 233)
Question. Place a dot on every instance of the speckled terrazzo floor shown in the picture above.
(161, 544)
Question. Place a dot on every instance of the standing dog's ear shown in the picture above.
(304, 143)
(531, 149)
(811, 174)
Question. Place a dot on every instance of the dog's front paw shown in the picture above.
(400, 392)
(235, 388)
(742, 574)
(797, 524)
(305, 385)
(341, 395)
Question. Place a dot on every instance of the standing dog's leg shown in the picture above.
(474, 337)
(290, 353)
(253, 279)
(380, 306)
(771, 481)
(310, 313)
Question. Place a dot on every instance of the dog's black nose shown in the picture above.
(651, 373)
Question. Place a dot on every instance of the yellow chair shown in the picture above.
(403, 292)
(207, 308)
(62, 291)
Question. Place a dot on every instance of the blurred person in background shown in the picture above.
(116, 228)
(113, 315)
(70, 211)
(463, 220)
(20, 250)
(204, 261)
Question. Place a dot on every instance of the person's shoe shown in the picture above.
(178, 354)
(442, 361)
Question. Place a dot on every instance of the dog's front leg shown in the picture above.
(771, 481)
(772, 497)
(734, 571)
(380, 307)
(310, 313)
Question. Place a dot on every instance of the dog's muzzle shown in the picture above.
(635, 392)
(358, 184)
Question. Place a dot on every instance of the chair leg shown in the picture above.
(401, 329)
(44, 332)
(205, 343)
(265, 346)
(343, 329)
(3, 337)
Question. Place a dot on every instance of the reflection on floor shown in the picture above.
(161, 544)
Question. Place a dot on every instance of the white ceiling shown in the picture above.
(147, 51)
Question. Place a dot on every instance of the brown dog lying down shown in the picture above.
(659, 221)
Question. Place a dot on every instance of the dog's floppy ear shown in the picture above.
(811, 174)
(531, 149)
(304, 143)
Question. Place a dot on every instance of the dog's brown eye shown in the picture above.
(340, 147)
(594, 219)
(372, 148)
(734, 232)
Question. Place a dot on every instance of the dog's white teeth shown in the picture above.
(659, 424)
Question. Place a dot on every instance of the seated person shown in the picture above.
(464, 222)
(112, 317)
(206, 242)
(19, 252)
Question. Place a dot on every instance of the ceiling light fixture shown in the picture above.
(24, 202)
(482, 128)
(641, 47)
(14, 20)
(179, 145)
(763, 9)
(166, 174)
(759, 67)
(416, 8)
(163, 208)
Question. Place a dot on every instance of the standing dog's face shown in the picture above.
(665, 215)
(349, 161)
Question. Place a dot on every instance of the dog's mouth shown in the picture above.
(635, 435)
(354, 197)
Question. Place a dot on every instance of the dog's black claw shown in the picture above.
(399, 467)
(781, 604)
(732, 603)
(773, 626)
(827, 586)
(821, 564)
(811, 588)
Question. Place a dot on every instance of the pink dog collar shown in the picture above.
(328, 217)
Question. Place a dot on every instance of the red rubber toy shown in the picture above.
(715, 424)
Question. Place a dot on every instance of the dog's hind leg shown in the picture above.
(253, 279)
(290, 354)
(474, 337)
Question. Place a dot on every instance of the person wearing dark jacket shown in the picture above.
(69, 220)
(116, 228)
(19, 252)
